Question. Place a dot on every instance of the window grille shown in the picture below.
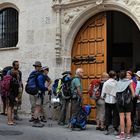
(8, 27)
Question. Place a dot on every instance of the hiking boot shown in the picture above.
(98, 128)
(32, 119)
(121, 136)
(102, 129)
(43, 120)
(61, 123)
(37, 123)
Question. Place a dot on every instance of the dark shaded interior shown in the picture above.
(123, 42)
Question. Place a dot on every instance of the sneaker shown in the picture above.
(107, 132)
(102, 129)
(116, 133)
(121, 136)
(128, 136)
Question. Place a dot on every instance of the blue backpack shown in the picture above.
(32, 84)
(54, 86)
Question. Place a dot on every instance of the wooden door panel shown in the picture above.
(84, 49)
(85, 85)
(92, 33)
(90, 43)
(92, 50)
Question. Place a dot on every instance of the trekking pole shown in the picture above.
(50, 115)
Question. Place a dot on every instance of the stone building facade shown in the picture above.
(47, 29)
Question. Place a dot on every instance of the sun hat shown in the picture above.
(137, 73)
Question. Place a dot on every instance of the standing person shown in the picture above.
(37, 100)
(44, 113)
(100, 103)
(137, 93)
(3, 96)
(65, 90)
(76, 90)
(37, 65)
(15, 66)
(125, 106)
(12, 96)
(108, 93)
(130, 76)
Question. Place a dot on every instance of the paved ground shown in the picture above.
(24, 131)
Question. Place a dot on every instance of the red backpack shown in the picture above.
(94, 89)
(5, 85)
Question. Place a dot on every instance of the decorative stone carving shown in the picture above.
(69, 15)
(68, 18)
(98, 2)
(134, 6)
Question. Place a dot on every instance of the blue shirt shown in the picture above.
(41, 80)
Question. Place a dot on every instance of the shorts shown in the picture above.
(126, 108)
(35, 100)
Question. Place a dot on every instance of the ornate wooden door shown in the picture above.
(89, 52)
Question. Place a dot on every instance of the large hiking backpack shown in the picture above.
(55, 86)
(123, 97)
(66, 89)
(62, 88)
(32, 85)
(5, 70)
(5, 85)
(95, 89)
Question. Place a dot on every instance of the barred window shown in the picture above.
(8, 27)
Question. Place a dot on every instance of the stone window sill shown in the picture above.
(9, 48)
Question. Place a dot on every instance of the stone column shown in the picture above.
(58, 48)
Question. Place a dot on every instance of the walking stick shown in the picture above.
(50, 115)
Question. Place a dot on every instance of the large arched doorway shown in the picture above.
(108, 40)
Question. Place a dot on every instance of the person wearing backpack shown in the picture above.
(3, 95)
(76, 92)
(15, 67)
(12, 96)
(124, 95)
(65, 92)
(36, 88)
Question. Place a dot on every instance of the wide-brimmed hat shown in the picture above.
(37, 63)
(137, 73)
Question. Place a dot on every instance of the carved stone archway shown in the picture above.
(91, 11)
